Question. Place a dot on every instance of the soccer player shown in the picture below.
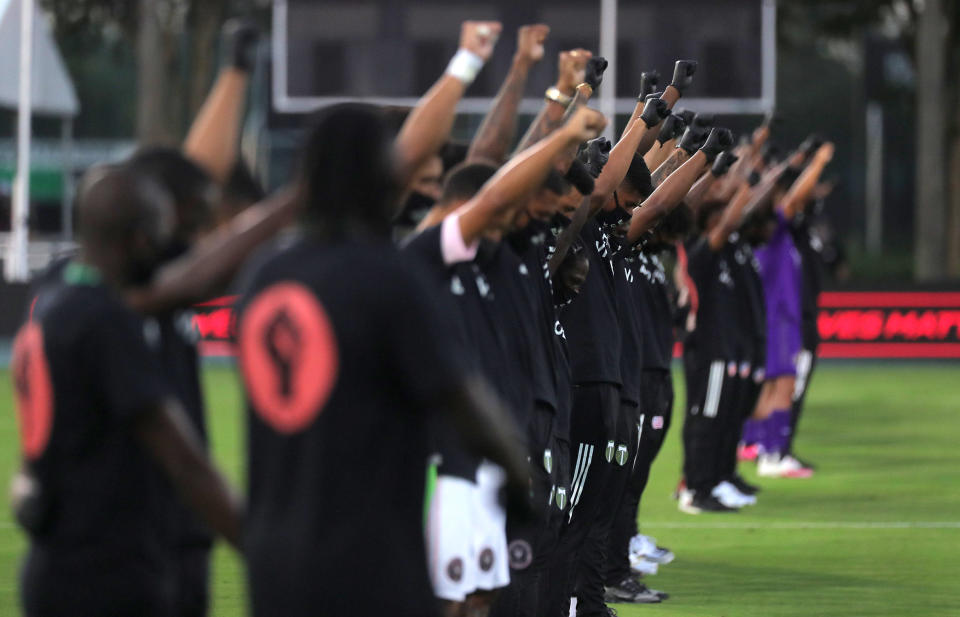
(195, 197)
(780, 265)
(495, 309)
(343, 375)
(101, 428)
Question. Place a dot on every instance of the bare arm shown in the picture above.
(209, 267)
(569, 234)
(493, 138)
(622, 154)
(428, 125)
(673, 162)
(173, 443)
(807, 182)
(732, 216)
(524, 173)
(666, 196)
(486, 428)
(571, 72)
(214, 137)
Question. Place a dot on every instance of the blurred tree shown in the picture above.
(174, 42)
(930, 30)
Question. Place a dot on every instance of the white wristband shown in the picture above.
(465, 65)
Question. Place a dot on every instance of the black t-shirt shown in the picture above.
(652, 299)
(554, 342)
(84, 375)
(344, 359)
(716, 323)
(810, 247)
(465, 300)
(631, 326)
(750, 336)
(591, 321)
(177, 353)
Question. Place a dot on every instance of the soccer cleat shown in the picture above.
(727, 494)
(692, 503)
(641, 566)
(660, 555)
(804, 462)
(743, 486)
(632, 592)
(776, 466)
(748, 453)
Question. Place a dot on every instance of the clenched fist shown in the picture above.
(479, 37)
(572, 69)
(530, 42)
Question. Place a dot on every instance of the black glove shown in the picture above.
(672, 128)
(723, 163)
(693, 138)
(240, 43)
(754, 178)
(687, 114)
(653, 95)
(579, 176)
(788, 177)
(654, 112)
(683, 72)
(649, 80)
(594, 73)
(595, 155)
(703, 120)
(720, 139)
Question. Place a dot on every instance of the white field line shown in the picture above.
(803, 525)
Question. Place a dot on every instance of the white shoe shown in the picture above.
(776, 466)
(641, 545)
(728, 495)
(685, 502)
(642, 565)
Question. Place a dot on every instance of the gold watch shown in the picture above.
(553, 94)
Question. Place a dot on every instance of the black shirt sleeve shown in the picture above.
(127, 373)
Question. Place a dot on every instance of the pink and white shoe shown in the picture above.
(776, 466)
(748, 453)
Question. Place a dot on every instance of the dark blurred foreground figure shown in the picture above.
(346, 362)
(100, 428)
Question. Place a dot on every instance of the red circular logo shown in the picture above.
(288, 356)
(34, 390)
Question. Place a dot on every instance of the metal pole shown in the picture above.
(768, 36)
(66, 165)
(608, 49)
(874, 231)
(16, 265)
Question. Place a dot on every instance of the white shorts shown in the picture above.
(490, 520)
(451, 553)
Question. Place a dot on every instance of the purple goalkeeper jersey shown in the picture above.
(780, 270)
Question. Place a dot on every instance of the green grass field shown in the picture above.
(875, 532)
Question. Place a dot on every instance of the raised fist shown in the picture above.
(594, 72)
(530, 42)
(654, 111)
(683, 72)
(687, 114)
(720, 139)
(703, 120)
(585, 124)
(595, 155)
(811, 144)
(653, 95)
(240, 43)
(479, 37)
(825, 153)
(580, 177)
(649, 80)
(693, 138)
(673, 127)
(723, 163)
(572, 68)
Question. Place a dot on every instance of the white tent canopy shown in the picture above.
(52, 92)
